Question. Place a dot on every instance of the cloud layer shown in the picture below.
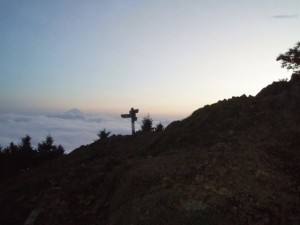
(71, 129)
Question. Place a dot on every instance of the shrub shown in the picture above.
(147, 124)
(159, 127)
(103, 134)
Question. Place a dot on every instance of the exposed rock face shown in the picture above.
(233, 162)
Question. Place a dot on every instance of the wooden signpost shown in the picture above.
(132, 115)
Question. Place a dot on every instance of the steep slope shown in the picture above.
(233, 162)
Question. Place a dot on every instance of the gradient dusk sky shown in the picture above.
(167, 57)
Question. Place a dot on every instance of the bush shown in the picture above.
(159, 127)
(23, 157)
(103, 135)
(47, 150)
(147, 124)
(291, 59)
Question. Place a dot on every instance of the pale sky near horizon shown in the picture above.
(161, 56)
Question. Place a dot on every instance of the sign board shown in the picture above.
(125, 115)
(132, 115)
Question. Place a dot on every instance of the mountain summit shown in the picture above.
(74, 112)
(232, 162)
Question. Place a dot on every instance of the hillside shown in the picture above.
(232, 162)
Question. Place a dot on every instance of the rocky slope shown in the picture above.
(233, 162)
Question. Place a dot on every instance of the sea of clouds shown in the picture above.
(71, 129)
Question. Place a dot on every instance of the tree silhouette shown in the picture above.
(103, 134)
(26, 154)
(291, 59)
(46, 146)
(47, 150)
(147, 124)
(159, 127)
(12, 148)
(22, 157)
(59, 150)
(25, 144)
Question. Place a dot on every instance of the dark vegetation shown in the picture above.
(15, 159)
(235, 162)
(147, 125)
(291, 59)
(159, 127)
(103, 134)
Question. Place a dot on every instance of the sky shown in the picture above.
(164, 57)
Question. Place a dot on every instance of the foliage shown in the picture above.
(103, 134)
(159, 127)
(12, 148)
(291, 59)
(46, 146)
(26, 156)
(22, 157)
(25, 144)
(147, 124)
(47, 150)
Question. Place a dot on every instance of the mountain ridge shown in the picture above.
(232, 162)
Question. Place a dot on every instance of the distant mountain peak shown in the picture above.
(73, 114)
(74, 111)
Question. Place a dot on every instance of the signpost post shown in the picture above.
(132, 115)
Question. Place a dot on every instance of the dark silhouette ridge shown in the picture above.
(232, 162)
(283, 95)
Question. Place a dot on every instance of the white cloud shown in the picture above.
(69, 130)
